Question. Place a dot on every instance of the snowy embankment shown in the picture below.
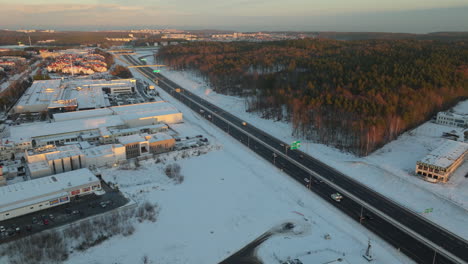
(389, 170)
(228, 198)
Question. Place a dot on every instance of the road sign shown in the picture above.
(295, 144)
(157, 71)
(428, 210)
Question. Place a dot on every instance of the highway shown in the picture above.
(418, 238)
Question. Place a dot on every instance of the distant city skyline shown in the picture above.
(415, 16)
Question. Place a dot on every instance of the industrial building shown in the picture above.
(39, 194)
(38, 97)
(53, 160)
(57, 96)
(93, 125)
(139, 145)
(440, 163)
(104, 155)
(452, 119)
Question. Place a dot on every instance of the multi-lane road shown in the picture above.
(412, 234)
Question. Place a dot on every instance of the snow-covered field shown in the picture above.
(389, 170)
(229, 197)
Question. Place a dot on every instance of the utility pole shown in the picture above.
(274, 158)
(368, 255)
(360, 217)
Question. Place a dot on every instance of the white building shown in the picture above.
(62, 96)
(52, 160)
(104, 155)
(38, 97)
(35, 195)
(440, 163)
(452, 119)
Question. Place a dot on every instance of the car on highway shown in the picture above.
(336, 196)
(368, 217)
(307, 180)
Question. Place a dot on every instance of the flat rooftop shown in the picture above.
(446, 154)
(128, 111)
(27, 131)
(102, 150)
(16, 194)
(41, 92)
(131, 139)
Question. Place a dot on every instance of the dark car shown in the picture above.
(68, 211)
(34, 220)
(29, 228)
(46, 221)
(368, 217)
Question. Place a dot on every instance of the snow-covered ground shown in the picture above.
(389, 170)
(229, 197)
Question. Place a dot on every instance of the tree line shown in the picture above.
(353, 95)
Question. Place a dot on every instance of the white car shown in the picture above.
(2, 229)
(307, 180)
(337, 197)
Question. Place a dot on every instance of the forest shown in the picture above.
(353, 95)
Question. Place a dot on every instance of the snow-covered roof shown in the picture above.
(42, 189)
(126, 111)
(159, 137)
(25, 131)
(82, 114)
(124, 140)
(102, 150)
(446, 154)
(41, 92)
(64, 152)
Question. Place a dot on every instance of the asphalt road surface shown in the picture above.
(389, 221)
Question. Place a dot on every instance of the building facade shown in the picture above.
(440, 163)
(39, 194)
(452, 119)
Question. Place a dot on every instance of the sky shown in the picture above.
(412, 16)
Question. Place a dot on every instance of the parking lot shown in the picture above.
(57, 216)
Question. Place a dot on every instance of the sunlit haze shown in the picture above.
(308, 15)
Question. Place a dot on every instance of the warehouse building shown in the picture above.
(39, 194)
(91, 125)
(38, 97)
(440, 163)
(52, 160)
(57, 96)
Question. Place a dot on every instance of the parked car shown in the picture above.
(307, 180)
(29, 228)
(337, 197)
(34, 220)
(75, 212)
(46, 221)
(68, 211)
(51, 217)
(2, 229)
